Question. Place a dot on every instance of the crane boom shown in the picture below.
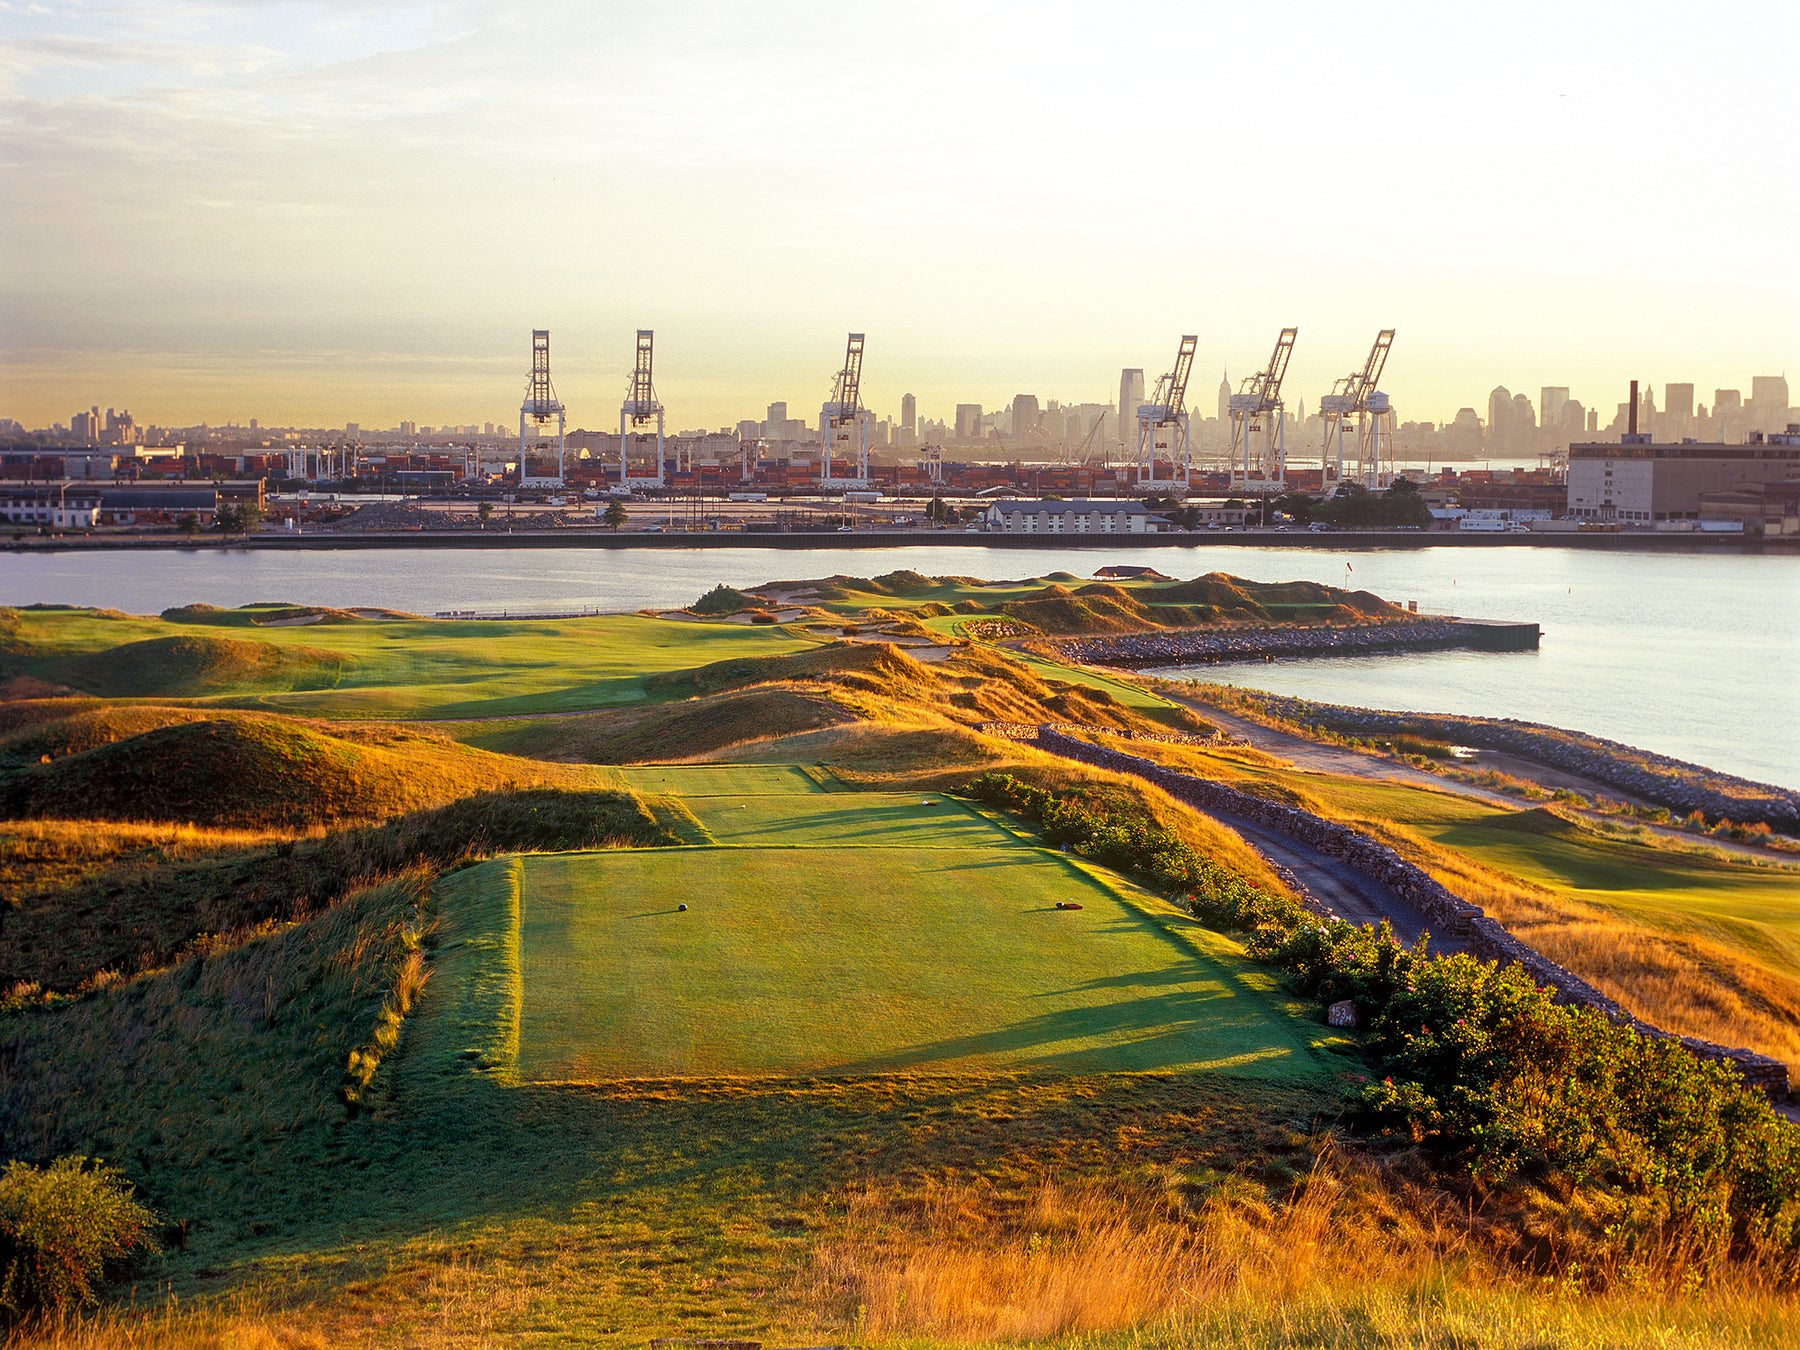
(640, 400)
(1364, 383)
(1278, 364)
(1171, 389)
(847, 392)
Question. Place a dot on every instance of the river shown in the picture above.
(1695, 655)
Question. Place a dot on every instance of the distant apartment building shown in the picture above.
(1644, 482)
(1079, 516)
(968, 421)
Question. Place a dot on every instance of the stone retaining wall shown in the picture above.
(1483, 935)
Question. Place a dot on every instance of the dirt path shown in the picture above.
(1346, 892)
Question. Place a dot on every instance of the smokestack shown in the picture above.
(1634, 407)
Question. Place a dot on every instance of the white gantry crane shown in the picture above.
(540, 405)
(844, 424)
(1257, 407)
(1356, 396)
(1162, 425)
(638, 410)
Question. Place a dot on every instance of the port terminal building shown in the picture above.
(1638, 481)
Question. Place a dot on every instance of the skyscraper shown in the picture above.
(909, 414)
(1224, 396)
(1131, 394)
(1678, 402)
(1550, 403)
(1025, 414)
(968, 421)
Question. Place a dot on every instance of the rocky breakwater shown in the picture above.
(1673, 783)
(1483, 935)
(1188, 646)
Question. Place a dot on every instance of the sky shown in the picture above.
(316, 212)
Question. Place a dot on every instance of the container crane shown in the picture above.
(844, 422)
(540, 405)
(640, 406)
(1356, 396)
(1163, 424)
(1255, 407)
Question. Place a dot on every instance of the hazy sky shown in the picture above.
(325, 212)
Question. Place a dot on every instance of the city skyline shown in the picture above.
(313, 213)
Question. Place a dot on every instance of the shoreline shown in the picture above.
(801, 541)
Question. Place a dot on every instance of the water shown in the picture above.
(1695, 655)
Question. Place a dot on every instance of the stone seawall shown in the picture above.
(1674, 783)
(1483, 935)
(1208, 645)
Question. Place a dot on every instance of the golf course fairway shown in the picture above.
(844, 933)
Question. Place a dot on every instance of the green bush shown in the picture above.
(1482, 1065)
(62, 1227)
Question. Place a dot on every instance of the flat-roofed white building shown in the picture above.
(1078, 516)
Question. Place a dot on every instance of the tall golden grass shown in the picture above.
(1347, 1260)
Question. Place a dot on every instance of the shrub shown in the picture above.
(1484, 1066)
(61, 1228)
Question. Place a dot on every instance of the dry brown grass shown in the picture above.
(45, 855)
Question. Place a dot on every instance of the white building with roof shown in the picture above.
(1078, 516)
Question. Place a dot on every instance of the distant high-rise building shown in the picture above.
(1025, 414)
(1769, 402)
(968, 421)
(1131, 394)
(909, 414)
(1499, 421)
(1550, 404)
(1678, 402)
(1224, 396)
(1726, 400)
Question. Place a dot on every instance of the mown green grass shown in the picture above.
(394, 668)
(864, 960)
(1132, 695)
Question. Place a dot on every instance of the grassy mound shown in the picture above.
(196, 666)
(664, 731)
(723, 599)
(251, 770)
(199, 1075)
(84, 726)
(871, 665)
(1092, 609)
(91, 896)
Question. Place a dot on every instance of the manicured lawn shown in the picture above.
(437, 669)
(867, 959)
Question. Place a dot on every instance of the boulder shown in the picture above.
(1342, 1013)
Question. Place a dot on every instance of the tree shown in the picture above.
(615, 513)
(225, 518)
(485, 510)
(188, 524)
